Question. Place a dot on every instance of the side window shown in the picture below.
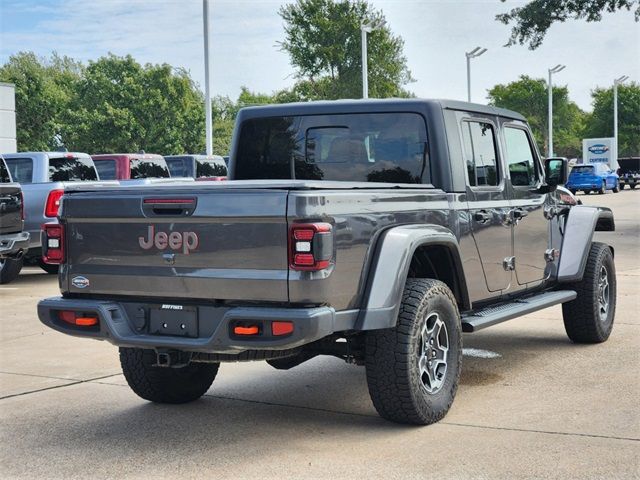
(4, 173)
(520, 157)
(480, 153)
(21, 169)
(106, 169)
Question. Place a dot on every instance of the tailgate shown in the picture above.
(10, 208)
(220, 244)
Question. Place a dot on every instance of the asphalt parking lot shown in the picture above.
(530, 404)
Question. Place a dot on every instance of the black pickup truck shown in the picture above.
(14, 243)
(374, 231)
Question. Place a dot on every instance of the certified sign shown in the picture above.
(599, 150)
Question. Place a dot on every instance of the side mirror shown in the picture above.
(556, 171)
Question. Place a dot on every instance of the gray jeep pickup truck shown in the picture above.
(375, 231)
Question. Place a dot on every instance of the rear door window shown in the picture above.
(371, 147)
(206, 168)
(106, 169)
(149, 168)
(71, 169)
(480, 156)
(520, 157)
(4, 173)
(21, 169)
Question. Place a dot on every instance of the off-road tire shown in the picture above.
(616, 187)
(603, 189)
(582, 319)
(50, 269)
(9, 269)
(165, 384)
(392, 357)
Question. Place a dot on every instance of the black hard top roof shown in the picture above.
(371, 105)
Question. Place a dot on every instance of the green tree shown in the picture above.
(533, 20)
(44, 90)
(600, 122)
(121, 105)
(322, 38)
(529, 97)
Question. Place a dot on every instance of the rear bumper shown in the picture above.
(14, 244)
(127, 325)
(581, 185)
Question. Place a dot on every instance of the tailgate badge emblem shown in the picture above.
(80, 282)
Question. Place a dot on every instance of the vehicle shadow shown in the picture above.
(33, 275)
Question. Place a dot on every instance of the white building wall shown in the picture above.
(7, 118)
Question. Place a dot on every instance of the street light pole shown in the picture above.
(364, 29)
(556, 69)
(207, 87)
(365, 69)
(616, 82)
(476, 52)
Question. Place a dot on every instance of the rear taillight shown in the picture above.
(53, 243)
(211, 179)
(53, 203)
(310, 246)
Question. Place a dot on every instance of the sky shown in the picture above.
(244, 36)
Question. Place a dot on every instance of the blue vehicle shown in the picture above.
(593, 178)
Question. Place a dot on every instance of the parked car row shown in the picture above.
(41, 178)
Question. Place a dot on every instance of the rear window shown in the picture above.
(180, 166)
(149, 168)
(21, 169)
(210, 168)
(106, 169)
(583, 169)
(380, 147)
(71, 169)
(4, 173)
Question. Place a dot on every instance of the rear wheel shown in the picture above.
(603, 189)
(165, 384)
(633, 186)
(589, 318)
(616, 187)
(9, 269)
(413, 369)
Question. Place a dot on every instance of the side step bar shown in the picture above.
(515, 308)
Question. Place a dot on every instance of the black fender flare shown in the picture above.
(582, 221)
(390, 267)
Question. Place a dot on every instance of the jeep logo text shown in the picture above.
(185, 241)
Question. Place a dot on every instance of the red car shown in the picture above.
(130, 166)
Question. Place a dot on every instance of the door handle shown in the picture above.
(482, 216)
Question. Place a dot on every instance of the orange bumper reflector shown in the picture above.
(253, 330)
(281, 328)
(71, 317)
(86, 321)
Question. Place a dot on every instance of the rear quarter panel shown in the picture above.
(358, 217)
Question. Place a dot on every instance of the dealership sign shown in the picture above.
(599, 150)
